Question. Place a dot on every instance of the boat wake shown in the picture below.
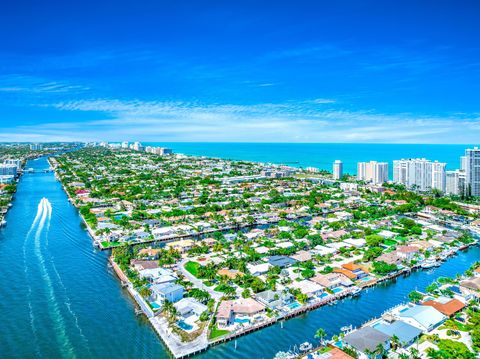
(41, 222)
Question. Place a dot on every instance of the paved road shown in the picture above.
(198, 283)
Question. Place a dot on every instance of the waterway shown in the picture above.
(59, 299)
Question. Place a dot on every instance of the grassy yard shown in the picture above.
(110, 244)
(192, 268)
(215, 332)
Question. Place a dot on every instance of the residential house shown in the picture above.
(406, 333)
(367, 339)
(274, 299)
(332, 280)
(446, 306)
(423, 317)
(228, 309)
(167, 291)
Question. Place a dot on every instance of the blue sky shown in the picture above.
(298, 71)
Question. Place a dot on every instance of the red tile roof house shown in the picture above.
(228, 309)
(449, 308)
(407, 252)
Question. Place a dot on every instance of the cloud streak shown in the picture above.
(319, 120)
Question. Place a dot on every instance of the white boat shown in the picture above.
(3, 223)
(305, 346)
(356, 291)
(430, 264)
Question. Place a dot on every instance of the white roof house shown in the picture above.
(355, 242)
(307, 287)
(258, 269)
(423, 317)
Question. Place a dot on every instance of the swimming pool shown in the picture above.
(337, 290)
(294, 305)
(155, 305)
(242, 320)
(184, 325)
(366, 279)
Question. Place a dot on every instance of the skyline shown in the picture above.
(314, 72)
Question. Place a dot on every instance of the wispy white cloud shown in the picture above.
(317, 120)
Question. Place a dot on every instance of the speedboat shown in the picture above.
(305, 346)
(430, 263)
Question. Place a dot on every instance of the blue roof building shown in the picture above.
(424, 317)
(405, 332)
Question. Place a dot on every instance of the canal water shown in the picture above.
(59, 299)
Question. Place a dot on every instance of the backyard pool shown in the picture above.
(184, 325)
(294, 305)
(337, 290)
(242, 320)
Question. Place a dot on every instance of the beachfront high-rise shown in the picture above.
(472, 171)
(337, 169)
(420, 174)
(455, 182)
(373, 171)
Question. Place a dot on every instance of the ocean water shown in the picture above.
(320, 155)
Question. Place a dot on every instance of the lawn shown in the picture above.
(215, 332)
(106, 244)
(192, 268)
(390, 242)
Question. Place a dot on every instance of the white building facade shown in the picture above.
(373, 171)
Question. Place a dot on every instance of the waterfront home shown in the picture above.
(446, 306)
(407, 252)
(274, 299)
(139, 264)
(355, 269)
(328, 353)
(307, 287)
(332, 280)
(366, 341)
(471, 286)
(245, 307)
(423, 317)
(189, 309)
(167, 291)
(406, 333)
(389, 258)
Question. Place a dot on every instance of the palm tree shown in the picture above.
(379, 350)
(320, 334)
(395, 342)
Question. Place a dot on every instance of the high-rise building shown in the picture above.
(36, 146)
(337, 169)
(453, 182)
(472, 171)
(373, 171)
(137, 146)
(15, 162)
(438, 175)
(125, 144)
(463, 163)
(420, 174)
(8, 170)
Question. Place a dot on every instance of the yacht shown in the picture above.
(305, 346)
(430, 263)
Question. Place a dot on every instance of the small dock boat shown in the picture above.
(305, 346)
